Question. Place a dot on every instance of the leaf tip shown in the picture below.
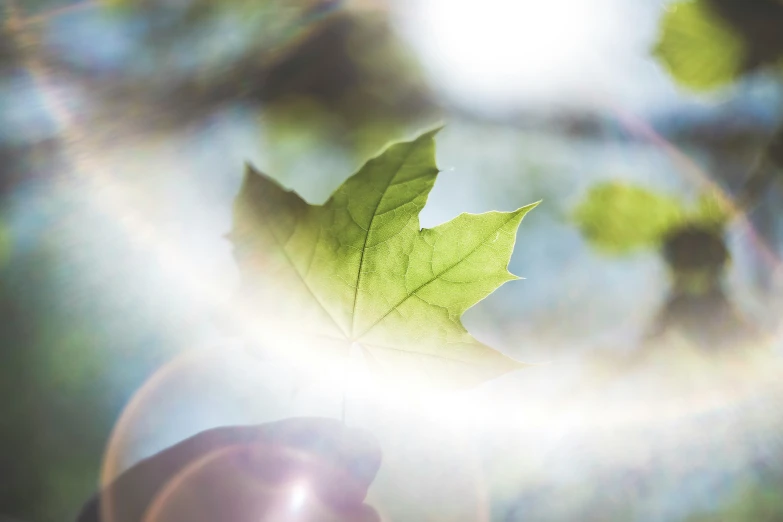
(430, 134)
(249, 167)
(435, 129)
(512, 276)
(522, 211)
(251, 172)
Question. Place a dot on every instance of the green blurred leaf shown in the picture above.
(753, 503)
(359, 273)
(712, 210)
(618, 218)
(699, 49)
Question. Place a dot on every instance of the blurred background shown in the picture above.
(652, 285)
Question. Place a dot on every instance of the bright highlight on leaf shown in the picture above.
(358, 270)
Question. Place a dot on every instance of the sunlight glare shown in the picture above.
(501, 52)
(298, 497)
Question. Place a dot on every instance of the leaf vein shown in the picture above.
(369, 228)
(435, 277)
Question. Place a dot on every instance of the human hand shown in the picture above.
(295, 470)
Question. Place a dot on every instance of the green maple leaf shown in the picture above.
(358, 272)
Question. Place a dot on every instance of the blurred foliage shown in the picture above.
(712, 211)
(770, 168)
(71, 357)
(330, 73)
(709, 43)
(698, 48)
(706, 44)
(692, 248)
(754, 503)
(50, 417)
(364, 90)
(619, 218)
